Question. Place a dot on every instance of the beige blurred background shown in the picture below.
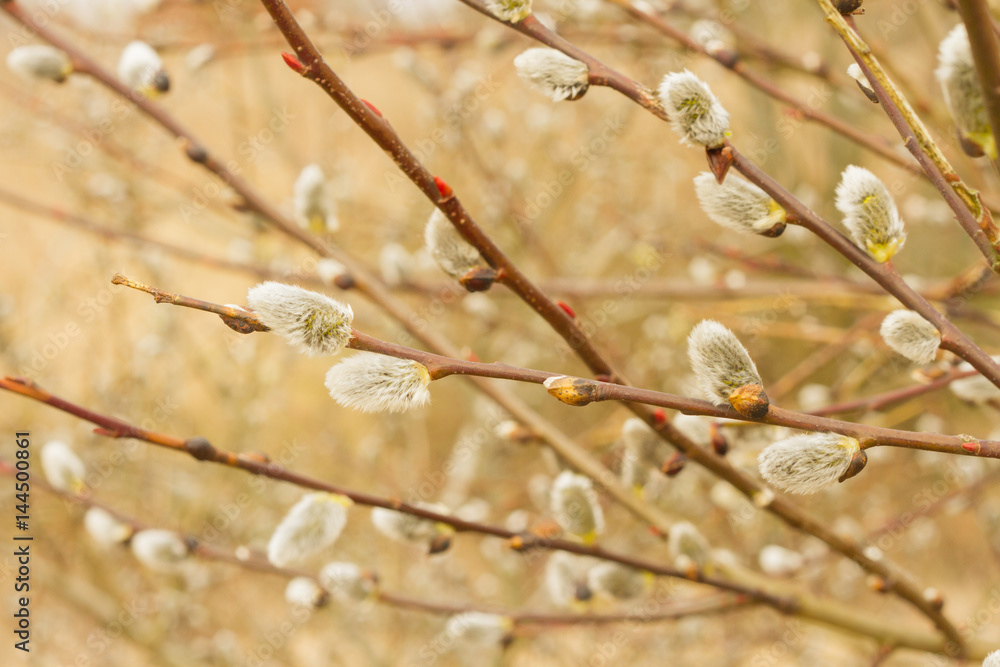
(624, 243)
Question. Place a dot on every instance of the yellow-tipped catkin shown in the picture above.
(695, 113)
(808, 463)
(377, 383)
(870, 213)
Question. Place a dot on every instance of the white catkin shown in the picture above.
(313, 207)
(737, 204)
(345, 582)
(313, 322)
(478, 628)
(956, 72)
(870, 214)
(450, 251)
(159, 549)
(104, 528)
(777, 561)
(807, 463)
(138, 66)
(855, 72)
(553, 73)
(617, 580)
(695, 113)
(575, 507)
(992, 660)
(40, 61)
(686, 543)
(377, 383)
(313, 523)
(304, 592)
(719, 361)
(909, 334)
(975, 388)
(62, 467)
(403, 527)
(511, 11)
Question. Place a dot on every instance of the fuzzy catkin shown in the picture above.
(377, 383)
(737, 204)
(139, 66)
(450, 251)
(313, 523)
(807, 463)
(313, 322)
(870, 214)
(553, 73)
(575, 507)
(956, 72)
(511, 11)
(695, 113)
(40, 61)
(313, 207)
(403, 527)
(62, 467)
(720, 362)
(909, 334)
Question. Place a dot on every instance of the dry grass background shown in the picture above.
(630, 207)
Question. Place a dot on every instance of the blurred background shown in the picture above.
(593, 199)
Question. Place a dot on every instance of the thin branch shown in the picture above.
(916, 132)
(698, 606)
(440, 367)
(983, 40)
(800, 604)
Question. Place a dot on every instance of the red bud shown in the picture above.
(294, 63)
(660, 415)
(373, 108)
(971, 447)
(566, 309)
(443, 188)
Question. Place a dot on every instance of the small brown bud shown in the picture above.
(719, 443)
(674, 464)
(934, 597)
(439, 544)
(858, 462)
(719, 161)
(750, 401)
(572, 391)
(479, 279)
(849, 6)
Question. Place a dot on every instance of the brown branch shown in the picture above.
(314, 66)
(983, 40)
(698, 606)
(804, 605)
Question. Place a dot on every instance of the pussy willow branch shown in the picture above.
(381, 132)
(978, 227)
(360, 279)
(202, 450)
(979, 24)
(885, 274)
(802, 605)
(698, 606)
(440, 366)
(924, 142)
(876, 144)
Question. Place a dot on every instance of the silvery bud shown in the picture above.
(554, 73)
(313, 322)
(695, 113)
(807, 463)
(377, 383)
(870, 213)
